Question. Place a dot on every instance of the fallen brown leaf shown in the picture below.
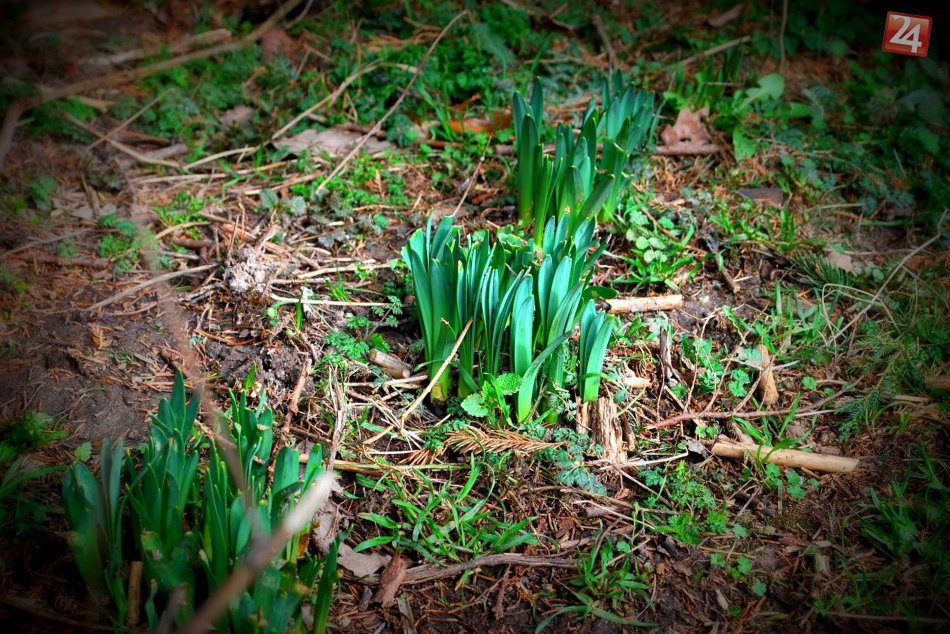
(361, 564)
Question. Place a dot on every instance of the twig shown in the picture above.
(644, 304)
(46, 94)
(432, 572)
(736, 414)
(135, 593)
(173, 48)
(158, 279)
(605, 38)
(786, 457)
(717, 49)
(391, 364)
(129, 121)
(324, 302)
(686, 149)
(122, 147)
(781, 36)
(893, 618)
(379, 124)
(445, 364)
(36, 243)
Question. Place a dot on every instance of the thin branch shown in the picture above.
(748, 415)
(445, 364)
(158, 279)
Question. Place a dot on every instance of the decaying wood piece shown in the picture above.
(786, 457)
(768, 391)
(644, 304)
(603, 425)
(392, 365)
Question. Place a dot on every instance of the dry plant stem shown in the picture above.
(261, 556)
(687, 149)
(128, 122)
(781, 36)
(737, 414)
(620, 305)
(725, 46)
(173, 48)
(158, 279)
(432, 572)
(605, 38)
(392, 365)
(442, 368)
(36, 243)
(786, 457)
(47, 94)
(379, 124)
(135, 593)
(323, 302)
(122, 147)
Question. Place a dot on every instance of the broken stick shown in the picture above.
(644, 304)
(392, 365)
(786, 457)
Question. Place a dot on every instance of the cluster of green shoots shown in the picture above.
(520, 306)
(584, 179)
(519, 300)
(189, 524)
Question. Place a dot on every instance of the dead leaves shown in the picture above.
(361, 564)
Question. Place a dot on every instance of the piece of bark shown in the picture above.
(768, 391)
(786, 457)
(392, 365)
(605, 428)
(390, 581)
(644, 304)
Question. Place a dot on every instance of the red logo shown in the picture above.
(906, 34)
